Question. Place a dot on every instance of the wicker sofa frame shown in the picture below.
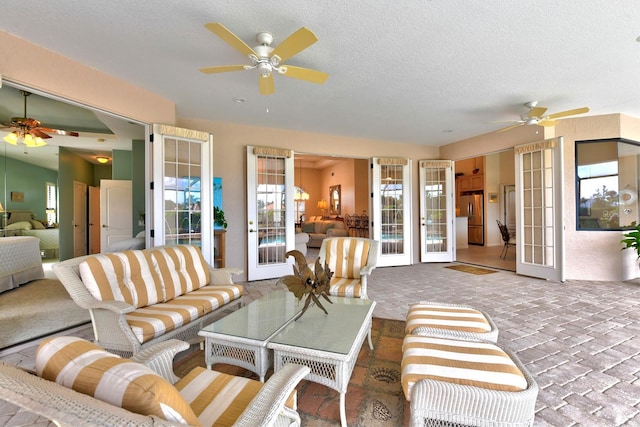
(67, 407)
(110, 327)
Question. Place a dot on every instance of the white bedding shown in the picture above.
(124, 245)
(21, 262)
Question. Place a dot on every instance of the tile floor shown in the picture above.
(579, 339)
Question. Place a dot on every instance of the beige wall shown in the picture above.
(594, 255)
(40, 69)
(589, 255)
(229, 162)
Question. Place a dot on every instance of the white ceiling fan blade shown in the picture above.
(222, 69)
(232, 40)
(295, 43)
(307, 74)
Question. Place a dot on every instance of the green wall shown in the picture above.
(72, 168)
(27, 179)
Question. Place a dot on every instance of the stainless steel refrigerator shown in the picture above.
(472, 206)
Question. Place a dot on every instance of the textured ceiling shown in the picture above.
(427, 72)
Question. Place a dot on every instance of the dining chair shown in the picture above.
(507, 238)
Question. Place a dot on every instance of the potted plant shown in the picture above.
(218, 217)
(632, 238)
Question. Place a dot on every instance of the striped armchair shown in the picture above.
(351, 259)
(78, 383)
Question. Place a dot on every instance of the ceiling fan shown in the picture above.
(268, 59)
(32, 134)
(536, 116)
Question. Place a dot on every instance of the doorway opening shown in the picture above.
(485, 194)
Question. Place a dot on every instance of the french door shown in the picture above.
(391, 210)
(437, 233)
(540, 212)
(182, 188)
(270, 211)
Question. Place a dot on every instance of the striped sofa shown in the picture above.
(140, 297)
(77, 383)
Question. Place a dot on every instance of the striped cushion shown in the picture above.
(153, 321)
(343, 287)
(182, 269)
(86, 368)
(446, 317)
(128, 276)
(478, 364)
(346, 257)
(219, 399)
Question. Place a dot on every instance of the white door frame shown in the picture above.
(394, 249)
(265, 252)
(433, 221)
(540, 209)
(198, 164)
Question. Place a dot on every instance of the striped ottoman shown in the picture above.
(450, 321)
(465, 382)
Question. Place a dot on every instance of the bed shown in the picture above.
(21, 261)
(22, 223)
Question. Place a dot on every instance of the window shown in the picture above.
(607, 174)
(52, 203)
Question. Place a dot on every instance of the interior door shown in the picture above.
(182, 188)
(437, 232)
(270, 210)
(94, 220)
(540, 213)
(391, 210)
(79, 219)
(116, 211)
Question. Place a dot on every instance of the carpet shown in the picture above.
(374, 396)
(36, 309)
(471, 269)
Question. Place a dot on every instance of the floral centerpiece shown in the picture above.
(305, 281)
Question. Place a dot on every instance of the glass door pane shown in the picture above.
(436, 216)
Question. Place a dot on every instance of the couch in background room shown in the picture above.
(319, 228)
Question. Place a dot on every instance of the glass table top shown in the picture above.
(334, 332)
(260, 318)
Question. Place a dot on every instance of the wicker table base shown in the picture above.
(327, 344)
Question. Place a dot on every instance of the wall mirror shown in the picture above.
(44, 176)
(334, 200)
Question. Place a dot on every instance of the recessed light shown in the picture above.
(239, 100)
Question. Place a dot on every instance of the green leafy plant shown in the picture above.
(218, 217)
(632, 238)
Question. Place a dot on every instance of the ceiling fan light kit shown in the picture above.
(29, 131)
(267, 59)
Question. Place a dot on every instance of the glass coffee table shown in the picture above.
(264, 332)
(241, 338)
(328, 344)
